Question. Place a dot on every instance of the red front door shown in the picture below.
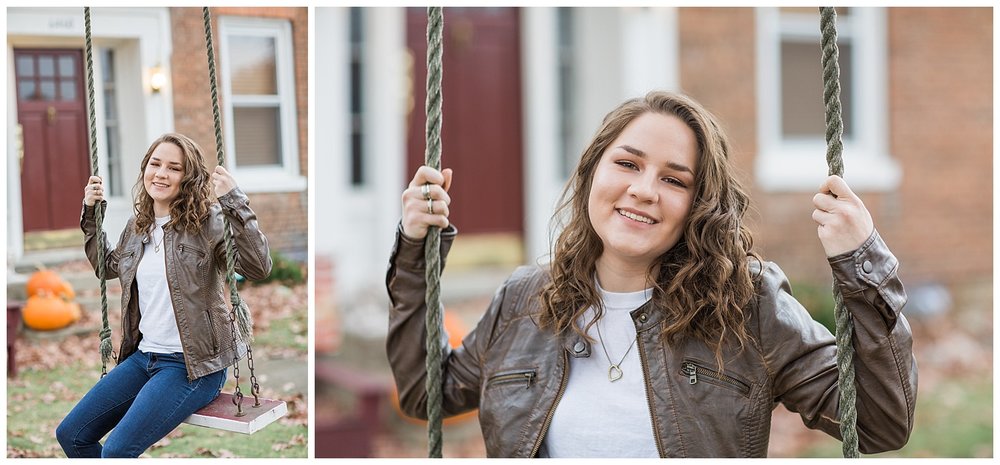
(481, 130)
(52, 114)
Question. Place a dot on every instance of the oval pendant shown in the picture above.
(614, 373)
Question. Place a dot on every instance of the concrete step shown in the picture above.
(34, 259)
(75, 329)
(16, 286)
(47, 240)
(93, 304)
(463, 283)
(81, 281)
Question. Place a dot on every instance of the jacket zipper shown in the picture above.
(125, 306)
(184, 351)
(552, 409)
(692, 371)
(649, 402)
(528, 376)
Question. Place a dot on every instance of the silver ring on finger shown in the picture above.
(426, 191)
(430, 206)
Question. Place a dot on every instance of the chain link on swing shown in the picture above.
(107, 351)
(845, 328)
(239, 317)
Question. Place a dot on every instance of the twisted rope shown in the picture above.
(107, 352)
(432, 245)
(834, 148)
(239, 316)
(245, 323)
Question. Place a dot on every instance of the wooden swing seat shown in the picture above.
(221, 414)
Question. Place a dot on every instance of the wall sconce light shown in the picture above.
(157, 79)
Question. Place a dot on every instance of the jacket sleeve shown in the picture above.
(801, 354)
(92, 243)
(253, 256)
(406, 341)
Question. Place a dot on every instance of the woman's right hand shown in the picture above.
(425, 202)
(94, 192)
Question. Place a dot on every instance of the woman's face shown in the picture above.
(643, 188)
(163, 174)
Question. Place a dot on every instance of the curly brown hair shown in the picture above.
(190, 208)
(703, 282)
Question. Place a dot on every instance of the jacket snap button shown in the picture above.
(867, 266)
(642, 317)
(578, 347)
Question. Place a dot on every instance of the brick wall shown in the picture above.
(939, 222)
(283, 216)
(941, 118)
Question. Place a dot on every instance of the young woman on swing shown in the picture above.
(171, 261)
(656, 330)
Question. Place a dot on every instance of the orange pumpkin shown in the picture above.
(46, 312)
(50, 282)
(455, 328)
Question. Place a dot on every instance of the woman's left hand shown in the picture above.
(844, 222)
(223, 181)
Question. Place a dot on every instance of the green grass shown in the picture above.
(40, 399)
(37, 400)
(287, 333)
(953, 420)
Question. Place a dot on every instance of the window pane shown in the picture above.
(802, 109)
(67, 66)
(67, 90)
(567, 89)
(258, 136)
(108, 64)
(26, 90)
(25, 66)
(841, 11)
(252, 65)
(357, 34)
(48, 89)
(46, 66)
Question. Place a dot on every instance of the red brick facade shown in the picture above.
(283, 216)
(939, 221)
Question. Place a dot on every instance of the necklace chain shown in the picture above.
(614, 371)
(156, 245)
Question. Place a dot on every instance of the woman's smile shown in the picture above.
(635, 216)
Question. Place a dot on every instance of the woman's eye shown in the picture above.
(626, 164)
(675, 181)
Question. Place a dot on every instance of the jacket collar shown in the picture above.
(645, 318)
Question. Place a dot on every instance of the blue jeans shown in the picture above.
(142, 400)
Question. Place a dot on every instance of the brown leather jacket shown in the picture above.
(196, 275)
(515, 373)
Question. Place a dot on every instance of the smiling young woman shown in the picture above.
(176, 341)
(656, 330)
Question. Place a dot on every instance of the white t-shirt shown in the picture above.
(158, 324)
(597, 417)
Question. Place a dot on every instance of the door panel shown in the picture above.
(51, 110)
(481, 131)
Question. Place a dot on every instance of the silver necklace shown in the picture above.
(615, 370)
(156, 245)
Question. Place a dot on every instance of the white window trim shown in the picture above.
(286, 178)
(800, 165)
